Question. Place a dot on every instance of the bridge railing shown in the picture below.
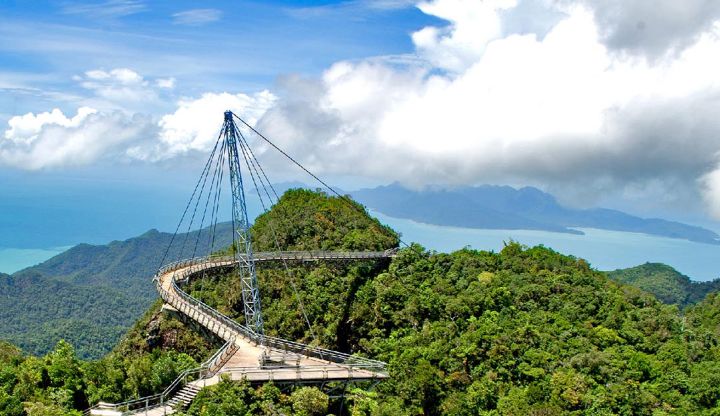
(282, 255)
(221, 356)
(180, 299)
(295, 374)
(195, 266)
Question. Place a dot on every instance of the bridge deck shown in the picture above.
(245, 362)
(289, 362)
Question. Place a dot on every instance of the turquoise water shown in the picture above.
(605, 250)
(14, 259)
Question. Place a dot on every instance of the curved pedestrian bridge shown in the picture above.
(246, 354)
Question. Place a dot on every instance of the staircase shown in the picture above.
(184, 397)
(179, 400)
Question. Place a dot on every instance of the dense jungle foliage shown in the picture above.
(666, 283)
(89, 295)
(526, 331)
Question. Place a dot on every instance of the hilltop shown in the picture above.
(666, 283)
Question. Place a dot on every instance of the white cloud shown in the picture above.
(24, 130)
(481, 104)
(119, 86)
(168, 83)
(197, 17)
(195, 125)
(561, 109)
(472, 25)
(106, 9)
(711, 184)
(52, 139)
(126, 90)
(652, 28)
(122, 76)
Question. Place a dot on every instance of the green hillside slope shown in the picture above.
(88, 295)
(526, 331)
(666, 283)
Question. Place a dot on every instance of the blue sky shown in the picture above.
(108, 107)
(234, 46)
(225, 46)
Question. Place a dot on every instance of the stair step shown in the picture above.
(184, 398)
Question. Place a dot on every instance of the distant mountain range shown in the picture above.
(504, 207)
(89, 294)
(666, 283)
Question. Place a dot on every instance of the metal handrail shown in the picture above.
(206, 369)
(154, 400)
(283, 255)
(296, 347)
(350, 372)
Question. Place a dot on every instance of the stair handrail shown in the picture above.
(208, 368)
(152, 401)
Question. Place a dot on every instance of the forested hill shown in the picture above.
(526, 331)
(666, 283)
(89, 295)
(504, 207)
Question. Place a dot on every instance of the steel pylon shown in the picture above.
(242, 246)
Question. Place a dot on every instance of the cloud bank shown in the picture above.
(652, 28)
(577, 108)
(195, 125)
(610, 96)
(53, 140)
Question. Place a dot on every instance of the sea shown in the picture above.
(14, 259)
(605, 250)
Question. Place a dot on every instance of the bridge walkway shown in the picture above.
(246, 354)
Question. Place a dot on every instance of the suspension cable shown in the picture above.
(207, 202)
(342, 197)
(250, 160)
(192, 197)
(216, 203)
(197, 203)
(215, 163)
